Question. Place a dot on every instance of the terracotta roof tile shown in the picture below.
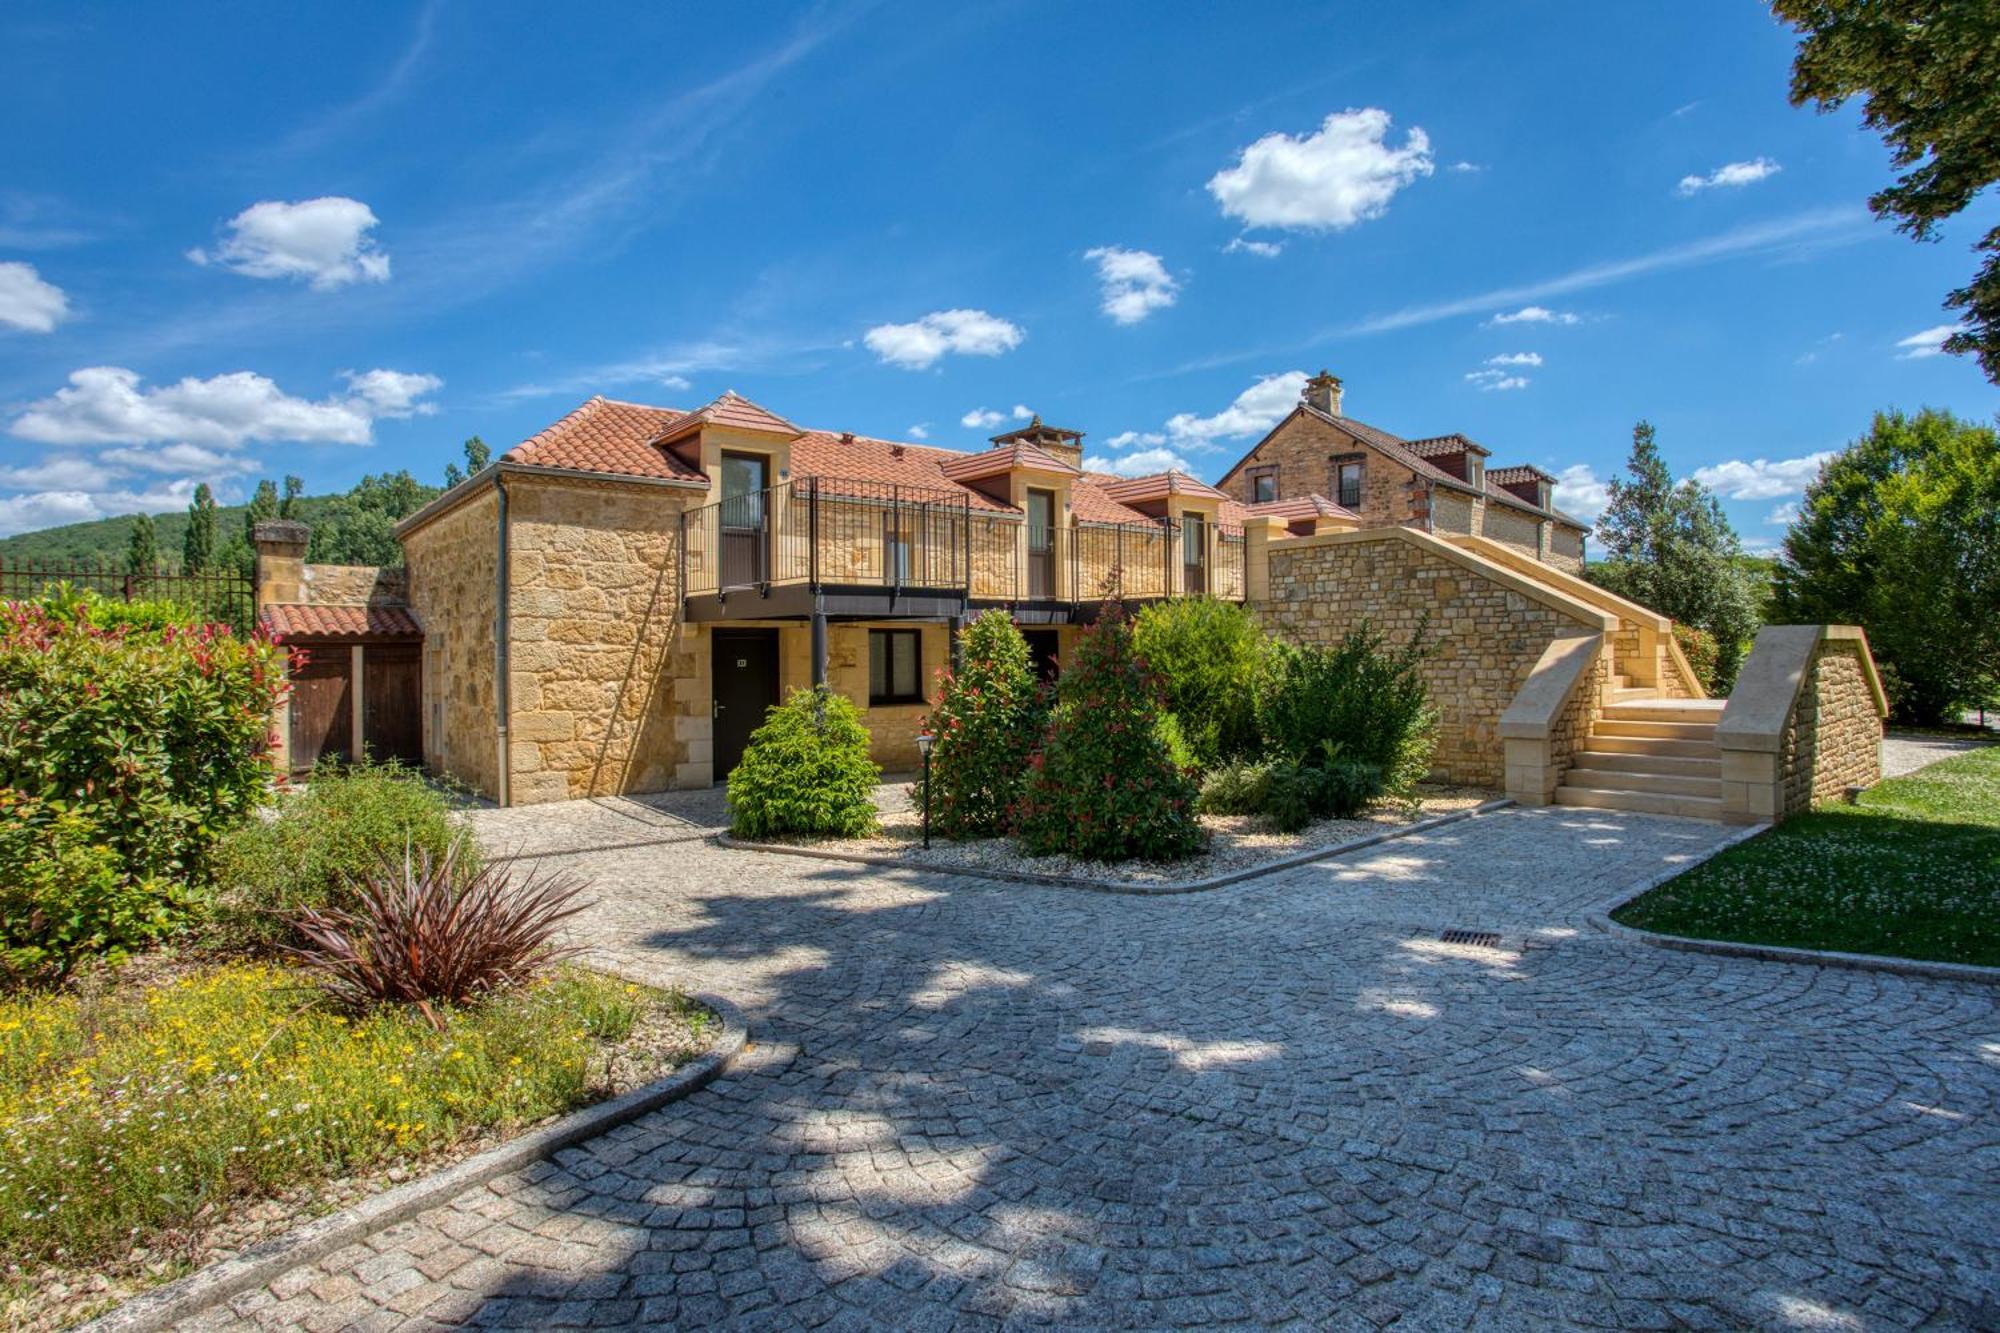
(1005, 458)
(820, 453)
(1091, 501)
(1507, 476)
(297, 620)
(1158, 486)
(1437, 446)
(1307, 506)
(605, 435)
(735, 411)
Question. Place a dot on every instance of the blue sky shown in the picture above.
(249, 241)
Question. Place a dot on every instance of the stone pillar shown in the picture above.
(281, 560)
(1259, 531)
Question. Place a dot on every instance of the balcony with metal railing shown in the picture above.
(845, 546)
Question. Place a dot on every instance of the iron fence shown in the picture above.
(224, 596)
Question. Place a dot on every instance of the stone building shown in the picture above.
(612, 605)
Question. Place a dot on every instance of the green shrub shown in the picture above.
(161, 740)
(1173, 737)
(65, 898)
(1360, 696)
(806, 772)
(1206, 654)
(987, 719)
(1290, 795)
(1703, 653)
(1104, 786)
(326, 839)
(1241, 787)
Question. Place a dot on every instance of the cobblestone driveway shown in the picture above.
(972, 1104)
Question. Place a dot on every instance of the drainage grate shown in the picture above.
(1479, 939)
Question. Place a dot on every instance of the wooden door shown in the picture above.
(322, 707)
(744, 669)
(392, 702)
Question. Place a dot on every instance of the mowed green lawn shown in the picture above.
(1913, 870)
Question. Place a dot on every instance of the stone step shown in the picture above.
(1666, 731)
(1641, 802)
(1626, 697)
(1645, 761)
(1654, 709)
(1602, 744)
(1672, 784)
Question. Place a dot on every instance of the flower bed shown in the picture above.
(164, 1121)
(1236, 842)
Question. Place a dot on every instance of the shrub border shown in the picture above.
(1135, 888)
(265, 1262)
(1599, 918)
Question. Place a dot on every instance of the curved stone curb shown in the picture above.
(1599, 918)
(1128, 887)
(268, 1260)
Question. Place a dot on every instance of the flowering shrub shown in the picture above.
(323, 840)
(64, 897)
(159, 738)
(1104, 786)
(987, 718)
(1703, 652)
(1357, 701)
(129, 1111)
(806, 771)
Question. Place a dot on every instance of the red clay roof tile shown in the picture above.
(605, 435)
(296, 620)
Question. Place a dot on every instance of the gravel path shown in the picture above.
(1907, 754)
(975, 1105)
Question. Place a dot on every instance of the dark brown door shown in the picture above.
(1194, 555)
(1041, 543)
(322, 707)
(746, 520)
(391, 702)
(744, 669)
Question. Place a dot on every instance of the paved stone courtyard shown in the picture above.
(971, 1104)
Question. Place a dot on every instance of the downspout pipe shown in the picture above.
(503, 691)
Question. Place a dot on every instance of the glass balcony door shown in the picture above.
(1194, 555)
(745, 520)
(1041, 544)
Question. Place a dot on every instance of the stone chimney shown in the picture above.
(281, 560)
(1066, 445)
(1323, 392)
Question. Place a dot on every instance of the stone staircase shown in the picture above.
(1651, 755)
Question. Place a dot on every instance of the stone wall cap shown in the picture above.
(1549, 687)
(1768, 686)
(281, 531)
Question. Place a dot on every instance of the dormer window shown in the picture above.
(1264, 489)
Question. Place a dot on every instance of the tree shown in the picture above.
(1671, 548)
(142, 552)
(1206, 653)
(452, 476)
(1901, 535)
(198, 545)
(476, 454)
(289, 506)
(263, 505)
(1930, 70)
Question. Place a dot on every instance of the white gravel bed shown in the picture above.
(1235, 842)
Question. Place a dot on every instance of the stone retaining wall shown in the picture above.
(1803, 724)
(1834, 738)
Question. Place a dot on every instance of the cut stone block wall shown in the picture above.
(452, 562)
(1513, 527)
(1300, 449)
(1803, 723)
(1566, 548)
(1486, 635)
(354, 585)
(1834, 738)
(1452, 512)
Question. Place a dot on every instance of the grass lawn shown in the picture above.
(1913, 871)
(134, 1108)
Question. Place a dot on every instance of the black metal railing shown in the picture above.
(225, 596)
(845, 532)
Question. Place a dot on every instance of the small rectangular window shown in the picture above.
(895, 666)
(1350, 486)
(1264, 489)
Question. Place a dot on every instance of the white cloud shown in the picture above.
(920, 431)
(1928, 343)
(1254, 411)
(676, 383)
(920, 345)
(1536, 314)
(1243, 245)
(1784, 515)
(1578, 491)
(1344, 173)
(980, 418)
(394, 393)
(1496, 381)
(1142, 463)
(1730, 175)
(1134, 283)
(1022, 412)
(191, 458)
(27, 302)
(45, 509)
(1515, 359)
(1761, 479)
(323, 241)
(1464, 168)
(60, 472)
(106, 405)
(1125, 439)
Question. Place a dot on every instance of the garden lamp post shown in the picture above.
(924, 742)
